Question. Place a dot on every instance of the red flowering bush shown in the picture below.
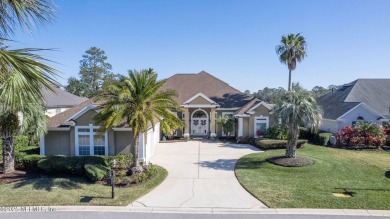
(363, 133)
(260, 132)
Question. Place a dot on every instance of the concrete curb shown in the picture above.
(260, 211)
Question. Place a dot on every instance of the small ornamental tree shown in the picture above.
(227, 124)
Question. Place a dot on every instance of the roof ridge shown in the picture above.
(219, 80)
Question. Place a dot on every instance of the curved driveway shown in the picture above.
(201, 175)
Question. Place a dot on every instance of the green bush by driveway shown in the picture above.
(364, 174)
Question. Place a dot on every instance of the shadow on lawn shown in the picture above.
(87, 199)
(387, 174)
(249, 163)
(50, 183)
(350, 190)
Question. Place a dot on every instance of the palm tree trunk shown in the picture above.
(8, 155)
(292, 140)
(136, 151)
(289, 79)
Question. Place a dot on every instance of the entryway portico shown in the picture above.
(199, 116)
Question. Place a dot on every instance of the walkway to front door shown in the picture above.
(201, 175)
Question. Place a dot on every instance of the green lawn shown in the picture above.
(72, 191)
(366, 174)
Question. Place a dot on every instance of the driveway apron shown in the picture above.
(201, 175)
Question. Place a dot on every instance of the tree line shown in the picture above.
(272, 95)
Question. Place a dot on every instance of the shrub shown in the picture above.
(121, 173)
(277, 132)
(305, 133)
(21, 142)
(277, 144)
(141, 177)
(71, 165)
(127, 180)
(151, 170)
(96, 172)
(123, 161)
(323, 138)
(30, 162)
(362, 133)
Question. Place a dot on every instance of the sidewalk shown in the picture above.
(266, 211)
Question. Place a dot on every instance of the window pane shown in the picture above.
(99, 150)
(96, 130)
(83, 130)
(261, 126)
(99, 140)
(83, 140)
(83, 150)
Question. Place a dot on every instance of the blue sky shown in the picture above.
(233, 40)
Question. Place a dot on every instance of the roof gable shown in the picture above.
(374, 93)
(199, 99)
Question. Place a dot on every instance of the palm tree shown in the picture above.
(291, 50)
(297, 108)
(22, 75)
(137, 101)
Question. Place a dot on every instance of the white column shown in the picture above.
(240, 127)
(42, 145)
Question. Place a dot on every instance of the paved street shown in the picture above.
(201, 175)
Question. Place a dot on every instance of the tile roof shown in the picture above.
(373, 92)
(188, 85)
(60, 98)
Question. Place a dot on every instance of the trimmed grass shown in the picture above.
(72, 191)
(365, 174)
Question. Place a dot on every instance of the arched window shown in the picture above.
(199, 114)
(359, 119)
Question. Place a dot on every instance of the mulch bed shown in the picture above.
(291, 162)
(17, 176)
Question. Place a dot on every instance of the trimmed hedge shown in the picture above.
(323, 138)
(71, 165)
(96, 172)
(276, 144)
(30, 162)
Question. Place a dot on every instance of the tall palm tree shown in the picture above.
(291, 50)
(137, 101)
(297, 108)
(22, 75)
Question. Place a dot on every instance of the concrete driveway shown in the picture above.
(201, 175)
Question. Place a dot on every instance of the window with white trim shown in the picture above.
(89, 141)
(261, 125)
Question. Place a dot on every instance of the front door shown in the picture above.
(199, 123)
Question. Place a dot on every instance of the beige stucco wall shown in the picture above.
(259, 111)
(86, 118)
(124, 142)
(57, 143)
(199, 100)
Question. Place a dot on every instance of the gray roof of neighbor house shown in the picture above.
(188, 85)
(375, 93)
(60, 98)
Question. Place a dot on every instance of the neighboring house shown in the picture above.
(59, 100)
(74, 133)
(361, 100)
(204, 97)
